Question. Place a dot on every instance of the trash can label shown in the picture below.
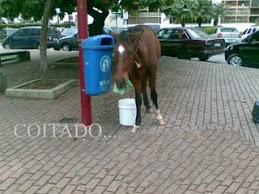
(105, 63)
(104, 83)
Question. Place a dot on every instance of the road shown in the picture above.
(34, 54)
(218, 59)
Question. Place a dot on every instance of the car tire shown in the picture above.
(66, 47)
(6, 46)
(234, 60)
(203, 58)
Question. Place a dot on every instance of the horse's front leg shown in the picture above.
(138, 99)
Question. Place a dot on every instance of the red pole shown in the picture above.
(82, 34)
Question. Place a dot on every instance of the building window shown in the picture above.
(255, 3)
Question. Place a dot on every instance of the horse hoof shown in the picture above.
(149, 110)
(134, 128)
(161, 121)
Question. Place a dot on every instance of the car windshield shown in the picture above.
(53, 31)
(195, 33)
(244, 32)
(69, 32)
(228, 30)
(247, 39)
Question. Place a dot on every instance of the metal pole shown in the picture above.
(82, 34)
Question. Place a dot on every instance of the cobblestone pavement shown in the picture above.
(208, 145)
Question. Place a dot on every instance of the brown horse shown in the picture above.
(137, 52)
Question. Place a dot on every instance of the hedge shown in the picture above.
(208, 29)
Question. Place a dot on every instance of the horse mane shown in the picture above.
(125, 35)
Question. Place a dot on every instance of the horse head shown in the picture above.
(125, 53)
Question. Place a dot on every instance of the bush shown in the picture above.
(208, 29)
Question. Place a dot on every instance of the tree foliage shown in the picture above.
(218, 10)
(179, 10)
(182, 11)
(202, 10)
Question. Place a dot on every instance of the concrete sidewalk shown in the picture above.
(208, 145)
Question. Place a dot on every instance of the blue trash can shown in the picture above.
(98, 63)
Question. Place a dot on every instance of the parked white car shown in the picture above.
(230, 34)
(249, 31)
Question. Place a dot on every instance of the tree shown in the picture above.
(218, 10)
(39, 10)
(202, 10)
(103, 7)
(179, 10)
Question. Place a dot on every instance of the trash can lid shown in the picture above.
(103, 41)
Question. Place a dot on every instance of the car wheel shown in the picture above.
(234, 60)
(6, 46)
(203, 58)
(66, 47)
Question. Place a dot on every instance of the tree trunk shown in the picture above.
(216, 21)
(96, 27)
(199, 20)
(183, 22)
(43, 41)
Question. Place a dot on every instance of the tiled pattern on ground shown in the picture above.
(206, 146)
(200, 94)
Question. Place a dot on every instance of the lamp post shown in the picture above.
(83, 34)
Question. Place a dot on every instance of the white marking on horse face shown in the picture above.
(121, 49)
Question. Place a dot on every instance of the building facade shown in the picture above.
(237, 11)
(240, 11)
(144, 16)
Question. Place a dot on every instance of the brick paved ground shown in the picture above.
(208, 145)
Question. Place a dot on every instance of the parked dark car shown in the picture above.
(7, 32)
(244, 53)
(187, 43)
(68, 32)
(67, 43)
(154, 26)
(110, 30)
(29, 38)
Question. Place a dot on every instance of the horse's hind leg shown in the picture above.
(137, 86)
(152, 85)
(145, 97)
